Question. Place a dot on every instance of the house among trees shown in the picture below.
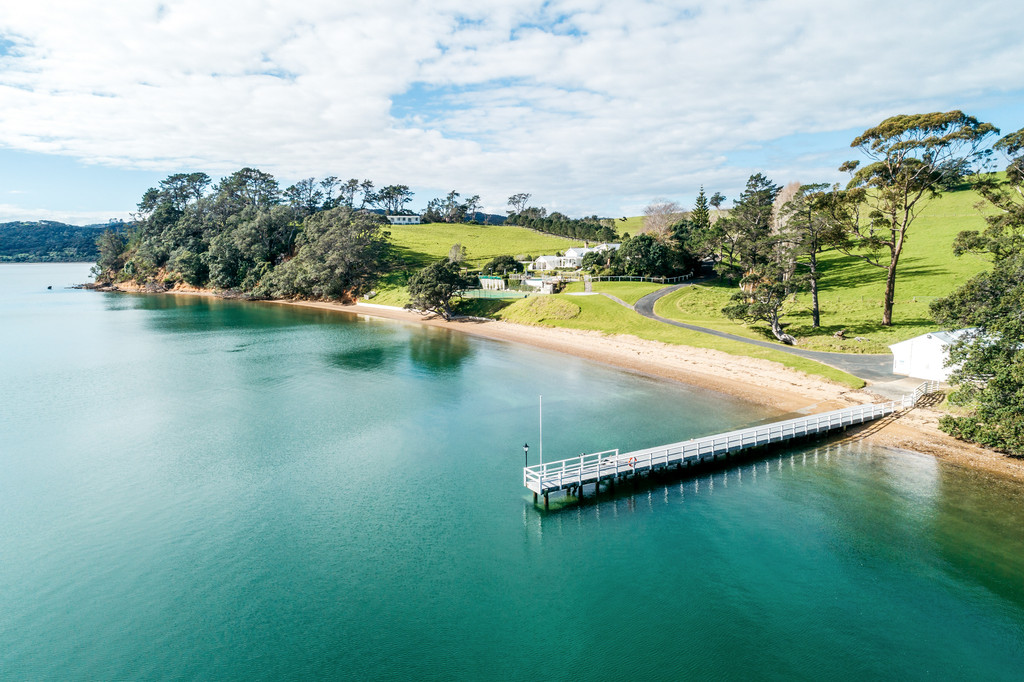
(925, 356)
(404, 219)
(573, 258)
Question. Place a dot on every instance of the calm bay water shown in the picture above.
(196, 488)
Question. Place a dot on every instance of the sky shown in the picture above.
(591, 107)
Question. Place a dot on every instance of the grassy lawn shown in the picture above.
(630, 292)
(420, 245)
(851, 290)
(629, 225)
(601, 314)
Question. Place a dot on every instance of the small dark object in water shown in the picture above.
(50, 287)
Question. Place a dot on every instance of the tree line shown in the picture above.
(590, 228)
(244, 233)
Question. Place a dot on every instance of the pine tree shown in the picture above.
(700, 216)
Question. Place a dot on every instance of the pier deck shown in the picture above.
(610, 465)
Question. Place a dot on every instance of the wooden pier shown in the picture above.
(609, 466)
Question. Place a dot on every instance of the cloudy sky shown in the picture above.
(592, 107)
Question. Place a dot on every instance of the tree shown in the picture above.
(911, 157)
(989, 359)
(470, 207)
(764, 254)
(518, 202)
(248, 188)
(340, 255)
(241, 255)
(369, 197)
(453, 211)
(764, 289)
(177, 192)
(305, 196)
(328, 186)
(644, 256)
(700, 216)
(433, 287)
(749, 226)
(596, 260)
(660, 216)
(111, 246)
(393, 198)
(686, 244)
(814, 217)
(457, 253)
(1005, 232)
(990, 375)
(502, 265)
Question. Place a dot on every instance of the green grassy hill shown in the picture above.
(419, 245)
(851, 290)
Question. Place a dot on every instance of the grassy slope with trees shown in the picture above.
(851, 290)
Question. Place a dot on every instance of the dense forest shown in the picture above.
(244, 234)
(48, 241)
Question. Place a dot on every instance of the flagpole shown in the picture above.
(542, 432)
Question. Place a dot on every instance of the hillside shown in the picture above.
(48, 241)
(420, 245)
(851, 290)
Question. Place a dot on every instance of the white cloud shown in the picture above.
(590, 107)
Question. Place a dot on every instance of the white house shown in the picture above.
(548, 263)
(924, 357)
(573, 257)
(404, 219)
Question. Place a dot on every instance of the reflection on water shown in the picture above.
(437, 351)
(372, 358)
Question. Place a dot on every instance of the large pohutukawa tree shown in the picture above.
(911, 158)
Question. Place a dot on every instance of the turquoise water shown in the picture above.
(195, 488)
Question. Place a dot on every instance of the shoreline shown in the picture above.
(752, 379)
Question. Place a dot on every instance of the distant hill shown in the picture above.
(48, 241)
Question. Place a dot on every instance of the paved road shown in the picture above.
(873, 368)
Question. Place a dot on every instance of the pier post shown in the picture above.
(535, 498)
(545, 500)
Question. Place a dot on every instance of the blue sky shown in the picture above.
(597, 107)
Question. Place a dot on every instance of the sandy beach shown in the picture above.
(752, 379)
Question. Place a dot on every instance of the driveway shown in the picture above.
(871, 368)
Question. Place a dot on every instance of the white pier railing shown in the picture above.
(611, 464)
